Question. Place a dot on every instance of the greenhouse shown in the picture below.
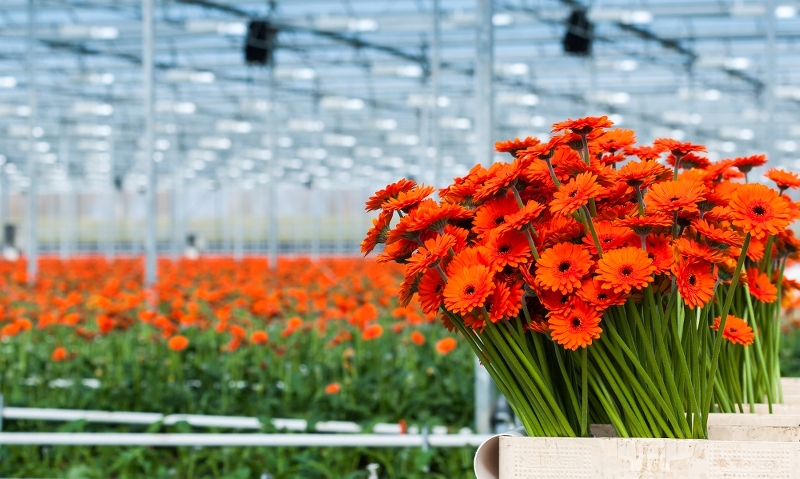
(408, 238)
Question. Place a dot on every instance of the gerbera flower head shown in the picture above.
(507, 249)
(624, 269)
(659, 249)
(690, 161)
(645, 153)
(583, 126)
(760, 286)
(719, 238)
(644, 225)
(377, 200)
(641, 174)
(515, 145)
(501, 176)
(575, 194)
(577, 326)
(592, 292)
(736, 330)
(759, 210)
(553, 300)
(378, 233)
(690, 248)
(405, 200)
(677, 148)
(429, 255)
(505, 302)
(562, 267)
(468, 289)
(696, 282)
(492, 214)
(431, 291)
(747, 163)
(784, 179)
(671, 196)
(430, 215)
(522, 218)
(611, 237)
(615, 140)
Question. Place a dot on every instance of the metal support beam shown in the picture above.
(176, 223)
(272, 204)
(238, 222)
(148, 38)
(769, 90)
(436, 78)
(484, 97)
(33, 200)
(110, 229)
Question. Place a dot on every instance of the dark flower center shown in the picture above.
(573, 194)
(564, 266)
(626, 271)
(674, 198)
(499, 220)
(733, 330)
(693, 280)
(439, 288)
(564, 300)
(470, 290)
(608, 239)
(576, 322)
(602, 296)
(759, 210)
(504, 249)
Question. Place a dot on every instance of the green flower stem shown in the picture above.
(767, 259)
(586, 218)
(584, 393)
(530, 227)
(567, 379)
(718, 339)
(758, 345)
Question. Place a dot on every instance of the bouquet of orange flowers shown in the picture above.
(593, 292)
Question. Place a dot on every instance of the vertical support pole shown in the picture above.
(436, 78)
(272, 203)
(316, 219)
(769, 100)
(238, 223)
(33, 203)
(111, 205)
(150, 263)
(339, 215)
(63, 203)
(177, 204)
(484, 97)
(4, 219)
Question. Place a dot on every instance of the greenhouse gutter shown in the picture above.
(258, 440)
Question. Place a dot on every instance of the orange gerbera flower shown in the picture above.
(332, 388)
(429, 255)
(468, 289)
(690, 161)
(615, 140)
(59, 354)
(676, 147)
(671, 196)
(512, 146)
(747, 163)
(695, 281)
(583, 126)
(507, 249)
(178, 343)
(522, 218)
(719, 238)
(417, 338)
(641, 173)
(760, 286)
(259, 337)
(446, 345)
(501, 176)
(759, 210)
(553, 300)
(405, 200)
(784, 179)
(645, 152)
(592, 292)
(736, 330)
(576, 326)
(575, 194)
(611, 237)
(382, 196)
(431, 291)
(430, 215)
(692, 249)
(372, 331)
(623, 269)
(492, 214)
(505, 302)
(644, 225)
(562, 267)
